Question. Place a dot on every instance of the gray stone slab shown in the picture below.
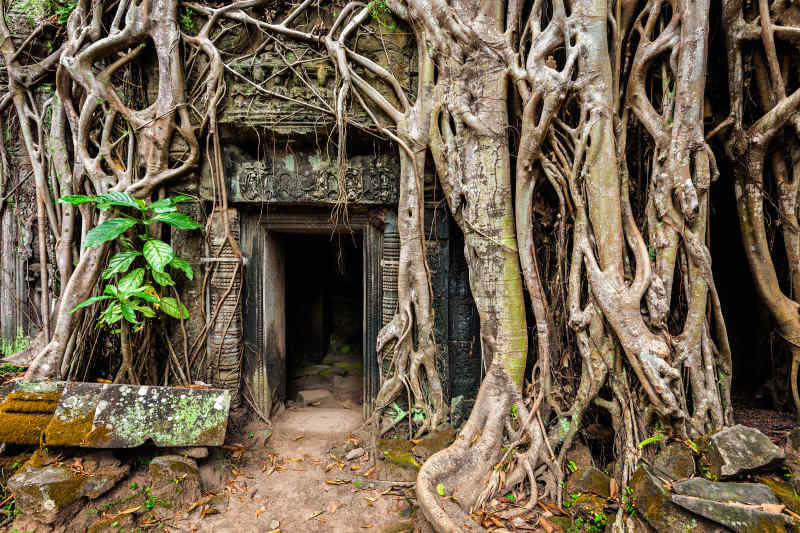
(100, 415)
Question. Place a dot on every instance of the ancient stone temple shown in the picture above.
(321, 250)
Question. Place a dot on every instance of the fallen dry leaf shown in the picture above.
(315, 515)
(298, 437)
(547, 525)
(260, 510)
(332, 506)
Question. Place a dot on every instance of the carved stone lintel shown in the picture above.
(305, 177)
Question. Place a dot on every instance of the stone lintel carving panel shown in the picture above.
(305, 178)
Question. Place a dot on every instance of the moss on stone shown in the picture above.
(784, 491)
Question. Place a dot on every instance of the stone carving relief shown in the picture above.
(307, 178)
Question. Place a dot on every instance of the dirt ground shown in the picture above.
(286, 481)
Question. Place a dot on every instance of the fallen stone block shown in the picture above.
(676, 460)
(312, 395)
(48, 492)
(739, 450)
(747, 493)
(652, 499)
(175, 481)
(589, 480)
(99, 415)
(738, 517)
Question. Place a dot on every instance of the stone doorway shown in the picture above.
(324, 301)
(292, 333)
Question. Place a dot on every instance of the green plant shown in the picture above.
(12, 346)
(417, 415)
(571, 466)
(598, 522)
(185, 18)
(65, 10)
(397, 413)
(8, 368)
(382, 14)
(134, 294)
(627, 503)
(571, 500)
(650, 440)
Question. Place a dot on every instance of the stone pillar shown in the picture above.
(224, 346)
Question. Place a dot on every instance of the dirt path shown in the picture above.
(286, 481)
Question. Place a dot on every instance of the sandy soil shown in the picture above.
(286, 481)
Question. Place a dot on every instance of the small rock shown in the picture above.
(195, 452)
(675, 460)
(175, 480)
(48, 493)
(211, 475)
(739, 450)
(580, 455)
(747, 493)
(354, 454)
(274, 524)
(589, 480)
(739, 518)
(457, 412)
(312, 395)
(652, 500)
(433, 442)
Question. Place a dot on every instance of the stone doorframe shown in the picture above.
(264, 364)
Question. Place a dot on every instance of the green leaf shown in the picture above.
(181, 198)
(163, 279)
(76, 199)
(158, 254)
(170, 307)
(440, 489)
(132, 281)
(128, 313)
(146, 311)
(179, 220)
(165, 205)
(650, 440)
(108, 230)
(90, 301)
(121, 262)
(145, 296)
(182, 264)
(111, 289)
(113, 313)
(121, 199)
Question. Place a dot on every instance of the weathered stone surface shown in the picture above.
(26, 410)
(740, 518)
(785, 492)
(675, 460)
(313, 395)
(589, 480)
(580, 455)
(653, 501)
(747, 493)
(195, 452)
(46, 492)
(175, 481)
(101, 415)
(354, 454)
(433, 442)
(398, 464)
(98, 415)
(308, 177)
(740, 449)
(792, 449)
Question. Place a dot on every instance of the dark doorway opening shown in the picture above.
(324, 318)
(758, 379)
